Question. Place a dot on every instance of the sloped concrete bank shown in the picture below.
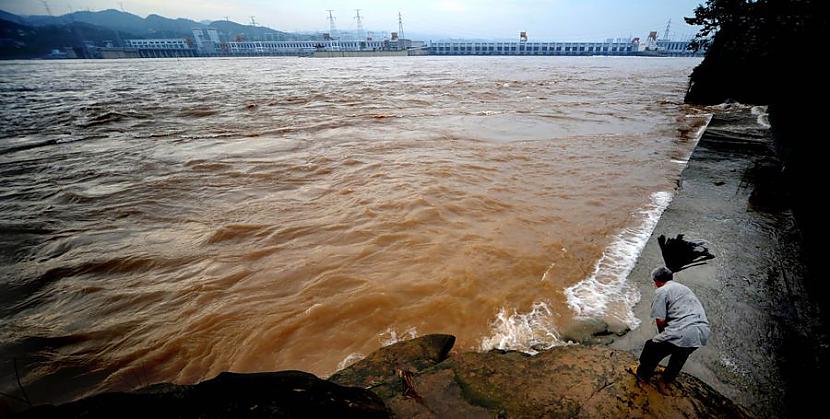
(767, 336)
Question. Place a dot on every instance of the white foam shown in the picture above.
(391, 336)
(536, 329)
(763, 116)
(349, 360)
(527, 332)
(607, 284)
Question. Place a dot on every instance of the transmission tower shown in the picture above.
(666, 34)
(400, 26)
(359, 21)
(332, 27)
(46, 6)
(253, 21)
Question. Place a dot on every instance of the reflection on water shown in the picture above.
(167, 220)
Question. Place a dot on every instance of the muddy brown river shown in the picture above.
(166, 220)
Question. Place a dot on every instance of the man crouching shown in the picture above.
(681, 323)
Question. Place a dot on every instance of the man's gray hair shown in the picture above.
(662, 274)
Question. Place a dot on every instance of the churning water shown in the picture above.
(166, 220)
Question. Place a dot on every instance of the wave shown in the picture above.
(27, 146)
(607, 284)
(528, 332)
(536, 330)
(763, 116)
(109, 117)
(198, 112)
(391, 336)
(349, 360)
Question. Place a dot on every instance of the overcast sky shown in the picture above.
(562, 20)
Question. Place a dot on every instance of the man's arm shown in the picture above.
(661, 324)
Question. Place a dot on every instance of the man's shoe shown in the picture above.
(632, 369)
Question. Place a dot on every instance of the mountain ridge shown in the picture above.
(36, 36)
(153, 25)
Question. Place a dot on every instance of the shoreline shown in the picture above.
(425, 377)
(765, 324)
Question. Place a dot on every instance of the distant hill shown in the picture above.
(112, 19)
(233, 29)
(36, 36)
(22, 41)
(154, 26)
(11, 18)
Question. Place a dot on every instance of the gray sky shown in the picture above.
(562, 20)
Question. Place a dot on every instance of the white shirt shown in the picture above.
(687, 325)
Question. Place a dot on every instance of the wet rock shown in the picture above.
(592, 331)
(259, 395)
(420, 379)
(617, 327)
(382, 366)
(579, 381)
(571, 381)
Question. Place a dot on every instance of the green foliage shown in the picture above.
(752, 44)
(717, 12)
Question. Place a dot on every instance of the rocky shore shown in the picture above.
(422, 378)
(766, 330)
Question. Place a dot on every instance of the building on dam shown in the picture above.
(159, 48)
(610, 47)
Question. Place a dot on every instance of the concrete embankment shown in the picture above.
(766, 331)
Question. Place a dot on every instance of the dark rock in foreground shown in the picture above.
(230, 395)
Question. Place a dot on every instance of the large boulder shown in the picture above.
(230, 395)
(383, 367)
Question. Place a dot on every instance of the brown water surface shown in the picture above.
(166, 220)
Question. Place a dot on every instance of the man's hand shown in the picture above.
(661, 324)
